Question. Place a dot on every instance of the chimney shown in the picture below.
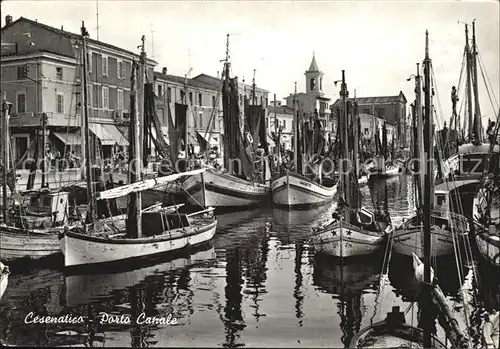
(164, 71)
(8, 19)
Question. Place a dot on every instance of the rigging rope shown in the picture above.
(481, 65)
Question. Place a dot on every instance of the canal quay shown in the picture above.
(257, 284)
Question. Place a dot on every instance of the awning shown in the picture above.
(108, 134)
(212, 139)
(72, 138)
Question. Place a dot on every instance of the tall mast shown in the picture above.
(134, 222)
(468, 82)
(477, 110)
(276, 136)
(419, 139)
(186, 133)
(355, 134)
(428, 180)
(87, 164)
(295, 130)
(226, 106)
(345, 146)
(254, 99)
(355, 152)
(5, 155)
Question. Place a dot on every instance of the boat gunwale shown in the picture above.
(166, 236)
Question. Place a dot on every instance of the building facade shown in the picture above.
(42, 75)
(392, 109)
(204, 106)
(313, 101)
(257, 95)
(281, 117)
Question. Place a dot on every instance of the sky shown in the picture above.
(377, 43)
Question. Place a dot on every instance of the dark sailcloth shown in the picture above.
(151, 121)
(180, 128)
(234, 143)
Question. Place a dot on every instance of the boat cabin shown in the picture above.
(441, 203)
(47, 203)
(158, 222)
(471, 159)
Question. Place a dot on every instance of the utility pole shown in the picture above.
(152, 43)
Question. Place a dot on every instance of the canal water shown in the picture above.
(258, 284)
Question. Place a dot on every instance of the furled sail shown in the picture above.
(151, 122)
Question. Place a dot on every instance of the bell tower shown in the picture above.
(314, 79)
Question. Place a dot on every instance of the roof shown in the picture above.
(190, 82)
(29, 55)
(314, 66)
(216, 82)
(281, 109)
(71, 35)
(376, 100)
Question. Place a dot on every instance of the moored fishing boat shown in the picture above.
(487, 219)
(408, 237)
(295, 189)
(245, 180)
(4, 278)
(354, 230)
(220, 189)
(148, 233)
(32, 229)
(163, 232)
(393, 332)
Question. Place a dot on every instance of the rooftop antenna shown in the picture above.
(152, 42)
(189, 61)
(97, 16)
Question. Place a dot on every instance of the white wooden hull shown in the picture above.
(81, 249)
(292, 191)
(18, 243)
(216, 189)
(4, 280)
(346, 240)
(407, 240)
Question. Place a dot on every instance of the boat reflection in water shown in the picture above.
(403, 280)
(348, 281)
(37, 291)
(84, 289)
(298, 218)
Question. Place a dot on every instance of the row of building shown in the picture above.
(41, 75)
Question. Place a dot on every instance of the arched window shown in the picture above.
(312, 84)
(321, 84)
